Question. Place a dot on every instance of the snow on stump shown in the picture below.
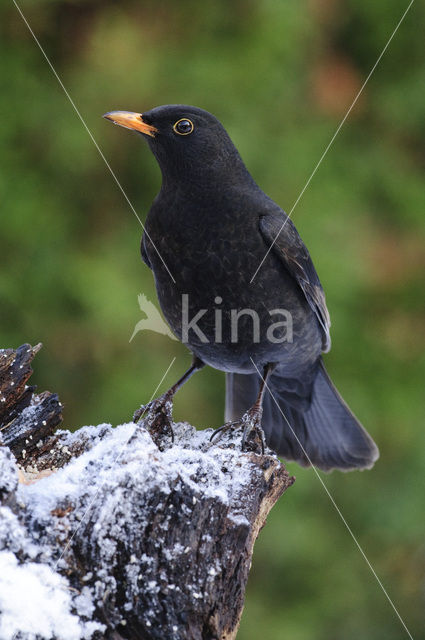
(107, 536)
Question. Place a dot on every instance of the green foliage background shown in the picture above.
(280, 76)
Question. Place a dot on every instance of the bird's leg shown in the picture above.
(252, 435)
(157, 414)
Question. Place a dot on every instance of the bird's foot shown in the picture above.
(252, 431)
(157, 418)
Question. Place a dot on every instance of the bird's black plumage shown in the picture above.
(207, 231)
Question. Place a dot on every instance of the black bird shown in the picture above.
(206, 234)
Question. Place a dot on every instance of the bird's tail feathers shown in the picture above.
(326, 434)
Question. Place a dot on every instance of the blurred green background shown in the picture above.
(280, 76)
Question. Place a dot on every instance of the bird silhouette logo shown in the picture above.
(153, 320)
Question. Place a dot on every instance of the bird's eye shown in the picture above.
(183, 127)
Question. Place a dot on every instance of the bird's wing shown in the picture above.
(289, 247)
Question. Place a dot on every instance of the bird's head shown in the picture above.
(188, 143)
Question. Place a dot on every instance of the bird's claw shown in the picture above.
(157, 418)
(252, 434)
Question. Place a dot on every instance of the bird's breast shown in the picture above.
(203, 273)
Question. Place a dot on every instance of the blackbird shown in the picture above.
(207, 233)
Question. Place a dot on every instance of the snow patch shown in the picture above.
(8, 472)
(116, 462)
(34, 600)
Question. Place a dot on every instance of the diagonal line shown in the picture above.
(68, 544)
(333, 138)
(335, 505)
(91, 136)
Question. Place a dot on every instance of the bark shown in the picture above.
(151, 539)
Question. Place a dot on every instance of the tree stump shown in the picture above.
(108, 536)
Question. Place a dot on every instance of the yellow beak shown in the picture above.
(131, 120)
